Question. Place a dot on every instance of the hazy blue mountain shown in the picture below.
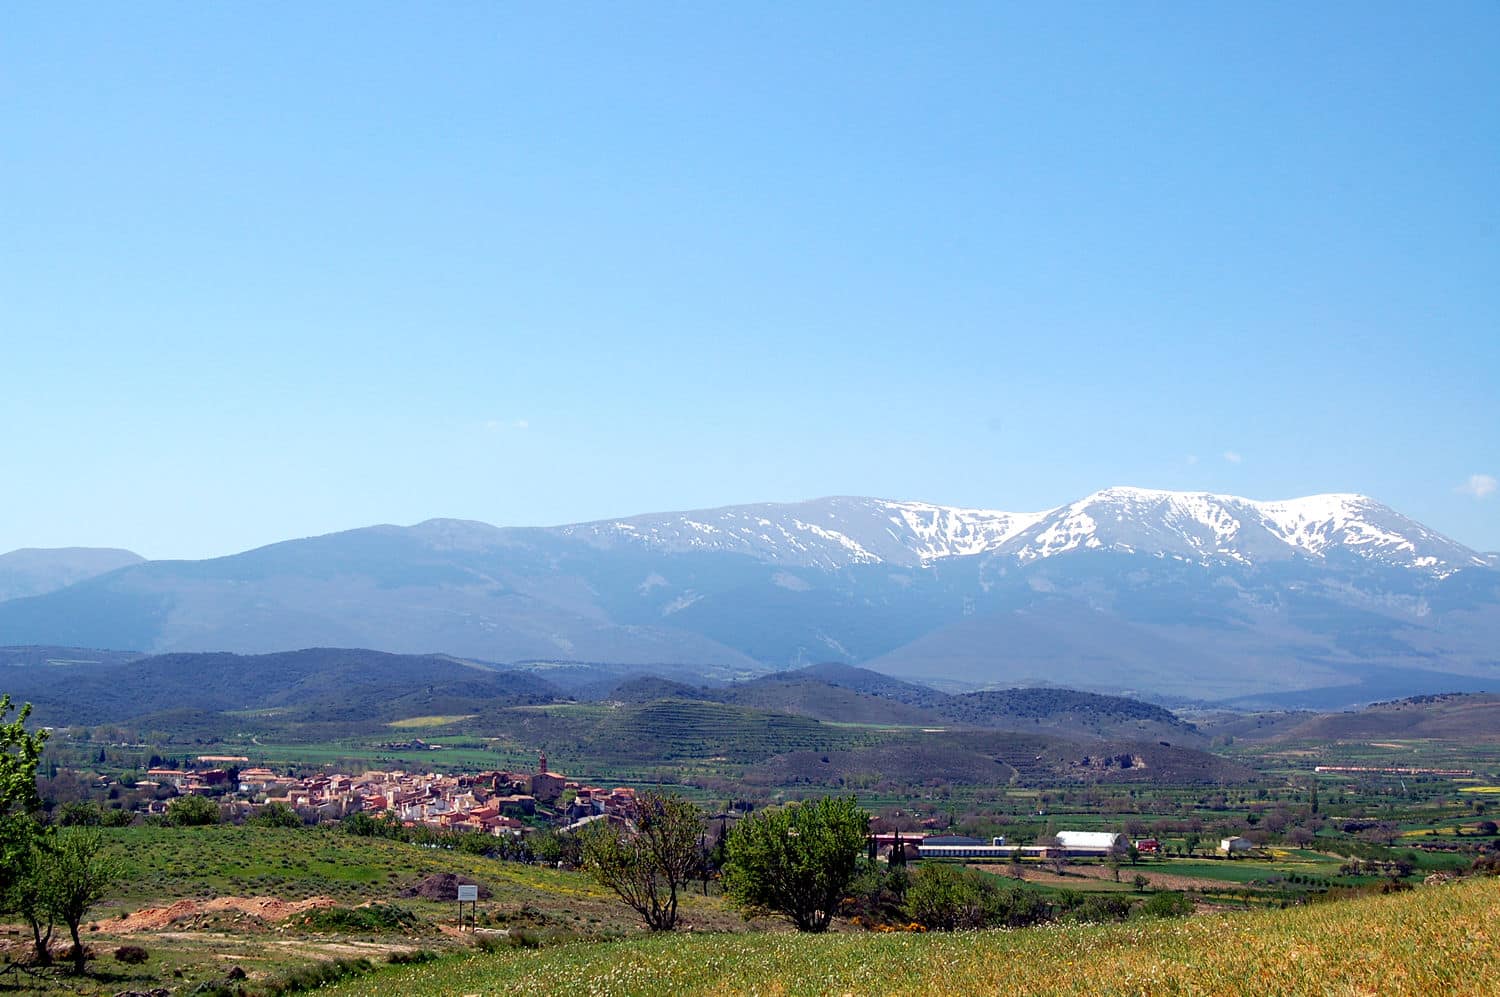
(37, 570)
(1189, 595)
(312, 684)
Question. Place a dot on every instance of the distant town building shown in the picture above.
(547, 786)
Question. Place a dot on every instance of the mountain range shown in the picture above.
(1184, 596)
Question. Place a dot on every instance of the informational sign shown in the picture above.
(468, 894)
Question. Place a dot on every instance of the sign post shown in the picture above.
(468, 895)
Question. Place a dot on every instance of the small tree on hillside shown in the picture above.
(20, 834)
(797, 861)
(26, 896)
(75, 873)
(646, 868)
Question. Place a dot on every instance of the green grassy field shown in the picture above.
(1429, 941)
(161, 864)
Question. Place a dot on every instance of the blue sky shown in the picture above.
(274, 271)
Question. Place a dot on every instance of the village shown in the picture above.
(494, 803)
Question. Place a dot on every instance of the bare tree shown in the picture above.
(646, 867)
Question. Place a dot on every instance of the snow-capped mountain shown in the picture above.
(1198, 527)
(1205, 528)
(1210, 597)
(824, 533)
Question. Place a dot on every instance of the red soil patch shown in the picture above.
(265, 908)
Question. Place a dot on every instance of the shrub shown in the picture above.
(1100, 907)
(1167, 903)
(950, 898)
(131, 955)
(314, 976)
(375, 917)
(947, 898)
(877, 895)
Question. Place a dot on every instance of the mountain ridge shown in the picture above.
(1195, 525)
(1191, 595)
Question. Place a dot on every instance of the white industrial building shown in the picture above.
(1068, 842)
(1091, 842)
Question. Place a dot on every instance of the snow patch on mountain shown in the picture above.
(1209, 528)
(937, 531)
(1193, 527)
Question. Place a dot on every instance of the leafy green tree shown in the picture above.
(75, 873)
(20, 751)
(192, 811)
(647, 867)
(86, 813)
(28, 897)
(20, 833)
(559, 848)
(797, 861)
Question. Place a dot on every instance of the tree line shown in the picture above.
(810, 861)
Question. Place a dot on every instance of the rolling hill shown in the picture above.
(1450, 716)
(311, 685)
(36, 571)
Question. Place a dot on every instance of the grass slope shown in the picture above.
(160, 865)
(1433, 940)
